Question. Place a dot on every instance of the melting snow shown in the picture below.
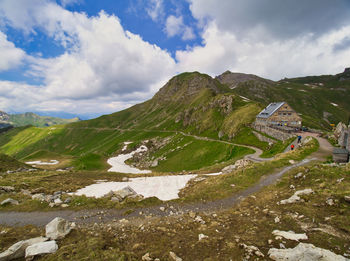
(118, 163)
(39, 162)
(162, 187)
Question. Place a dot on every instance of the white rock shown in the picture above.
(40, 197)
(304, 252)
(277, 220)
(18, 250)
(58, 201)
(295, 197)
(146, 257)
(202, 236)
(290, 235)
(41, 248)
(174, 256)
(125, 192)
(162, 208)
(292, 162)
(299, 175)
(199, 220)
(330, 202)
(57, 228)
(9, 201)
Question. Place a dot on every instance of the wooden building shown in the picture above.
(279, 114)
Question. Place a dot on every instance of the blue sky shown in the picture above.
(88, 57)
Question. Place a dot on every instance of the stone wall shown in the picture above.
(277, 134)
(263, 138)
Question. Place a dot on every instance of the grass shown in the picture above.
(220, 186)
(9, 163)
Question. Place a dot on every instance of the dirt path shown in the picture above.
(99, 216)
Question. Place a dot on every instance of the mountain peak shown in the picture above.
(232, 79)
(187, 85)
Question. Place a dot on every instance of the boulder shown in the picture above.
(295, 197)
(125, 192)
(57, 228)
(18, 250)
(347, 199)
(41, 248)
(9, 201)
(290, 235)
(146, 257)
(242, 163)
(304, 252)
(6, 189)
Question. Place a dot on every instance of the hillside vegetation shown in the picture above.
(191, 102)
(321, 100)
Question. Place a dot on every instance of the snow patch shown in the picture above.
(126, 143)
(334, 104)
(163, 187)
(118, 163)
(39, 162)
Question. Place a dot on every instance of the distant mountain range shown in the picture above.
(29, 118)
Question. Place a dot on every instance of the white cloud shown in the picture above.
(174, 25)
(299, 56)
(155, 9)
(70, 2)
(10, 56)
(188, 34)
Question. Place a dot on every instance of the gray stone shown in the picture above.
(125, 192)
(39, 196)
(9, 201)
(6, 189)
(41, 248)
(67, 200)
(146, 257)
(304, 252)
(115, 199)
(347, 199)
(18, 250)
(295, 197)
(57, 228)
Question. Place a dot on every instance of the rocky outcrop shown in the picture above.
(295, 197)
(41, 248)
(290, 235)
(18, 250)
(304, 252)
(238, 165)
(57, 228)
(9, 201)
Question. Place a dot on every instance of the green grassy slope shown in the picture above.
(312, 96)
(9, 163)
(190, 102)
(30, 118)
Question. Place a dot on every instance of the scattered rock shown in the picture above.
(347, 199)
(6, 189)
(115, 199)
(18, 250)
(58, 201)
(39, 197)
(295, 197)
(202, 236)
(238, 165)
(147, 257)
(41, 248)
(304, 252)
(277, 220)
(292, 162)
(290, 235)
(330, 202)
(57, 228)
(64, 205)
(299, 175)
(67, 200)
(192, 214)
(162, 209)
(9, 201)
(174, 256)
(199, 220)
(250, 250)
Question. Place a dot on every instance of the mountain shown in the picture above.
(321, 100)
(188, 105)
(30, 118)
(193, 103)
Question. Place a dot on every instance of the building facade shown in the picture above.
(279, 114)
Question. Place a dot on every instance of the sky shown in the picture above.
(87, 58)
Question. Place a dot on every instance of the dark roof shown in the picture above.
(270, 109)
(340, 151)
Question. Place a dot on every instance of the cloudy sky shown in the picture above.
(88, 57)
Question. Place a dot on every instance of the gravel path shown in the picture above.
(98, 216)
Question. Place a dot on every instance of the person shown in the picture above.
(292, 147)
(299, 139)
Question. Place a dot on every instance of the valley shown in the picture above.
(182, 175)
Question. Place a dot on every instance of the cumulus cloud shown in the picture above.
(10, 56)
(101, 60)
(274, 18)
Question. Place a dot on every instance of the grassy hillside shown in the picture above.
(321, 100)
(191, 102)
(30, 118)
(9, 163)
